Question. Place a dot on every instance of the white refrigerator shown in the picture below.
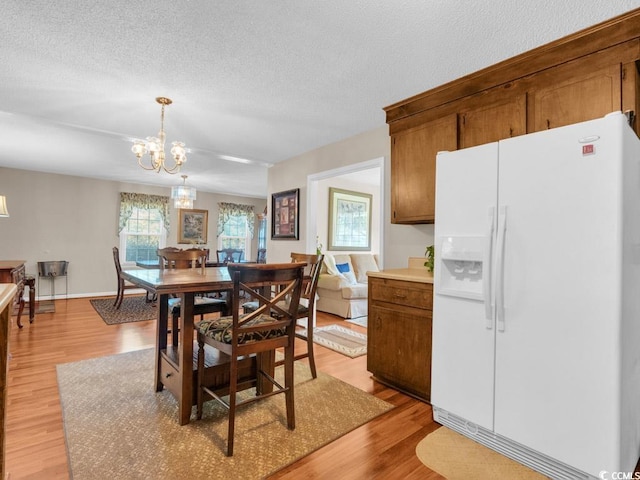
(536, 313)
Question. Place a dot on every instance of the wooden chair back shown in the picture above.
(312, 274)
(206, 250)
(180, 259)
(248, 282)
(230, 255)
(116, 260)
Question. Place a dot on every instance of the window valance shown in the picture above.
(129, 201)
(228, 210)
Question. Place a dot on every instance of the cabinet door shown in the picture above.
(492, 123)
(413, 168)
(583, 96)
(399, 349)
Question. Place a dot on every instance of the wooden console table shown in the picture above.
(7, 294)
(12, 271)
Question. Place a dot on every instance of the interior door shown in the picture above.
(463, 338)
(554, 358)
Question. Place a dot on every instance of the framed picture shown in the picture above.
(285, 217)
(193, 226)
(349, 220)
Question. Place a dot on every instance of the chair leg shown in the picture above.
(288, 383)
(200, 396)
(233, 387)
(120, 295)
(312, 360)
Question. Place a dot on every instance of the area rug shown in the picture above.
(117, 427)
(342, 340)
(133, 309)
(362, 321)
(457, 457)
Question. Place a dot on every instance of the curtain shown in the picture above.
(140, 200)
(228, 210)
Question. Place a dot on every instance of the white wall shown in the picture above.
(400, 241)
(61, 217)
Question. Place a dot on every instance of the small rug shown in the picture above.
(117, 427)
(133, 309)
(362, 321)
(457, 457)
(342, 340)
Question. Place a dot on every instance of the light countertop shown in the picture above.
(415, 272)
(7, 292)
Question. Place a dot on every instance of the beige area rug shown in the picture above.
(342, 340)
(457, 457)
(133, 309)
(118, 427)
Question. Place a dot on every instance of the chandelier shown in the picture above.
(183, 195)
(154, 146)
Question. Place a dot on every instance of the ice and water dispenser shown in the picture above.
(461, 265)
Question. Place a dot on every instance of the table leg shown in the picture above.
(162, 328)
(32, 304)
(186, 358)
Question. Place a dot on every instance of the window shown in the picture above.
(235, 227)
(143, 226)
(143, 235)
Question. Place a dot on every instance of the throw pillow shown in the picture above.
(330, 263)
(363, 263)
(346, 272)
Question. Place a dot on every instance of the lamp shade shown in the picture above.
(4, 212)
(183, 196)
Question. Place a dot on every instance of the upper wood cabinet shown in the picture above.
(576, 99)
(494, 122)
(413, 168)
(580, 77)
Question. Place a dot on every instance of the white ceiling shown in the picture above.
(258, 80)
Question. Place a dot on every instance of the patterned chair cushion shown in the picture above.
(219, 329)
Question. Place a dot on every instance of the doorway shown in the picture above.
(367, 175)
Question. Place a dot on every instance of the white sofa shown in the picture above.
(342, 286)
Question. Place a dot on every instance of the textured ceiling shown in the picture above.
(258, 80)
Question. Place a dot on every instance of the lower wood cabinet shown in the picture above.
(399, 334)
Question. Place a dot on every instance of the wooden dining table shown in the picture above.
(175, 365)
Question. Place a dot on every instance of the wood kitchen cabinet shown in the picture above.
(399, 334)
(578, 98)
(493, 122)
(577, 78)
(413, 167)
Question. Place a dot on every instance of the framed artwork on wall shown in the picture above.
(193, 226)
(285, 217)
(349, 220)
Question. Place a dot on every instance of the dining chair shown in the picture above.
(123, 284)
(194, 259)
(256, 333)
(307, 306)
(230, 255)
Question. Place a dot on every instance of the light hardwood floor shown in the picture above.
(383, 448)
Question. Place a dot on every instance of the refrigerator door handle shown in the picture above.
(486, 269)
(502, 227)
